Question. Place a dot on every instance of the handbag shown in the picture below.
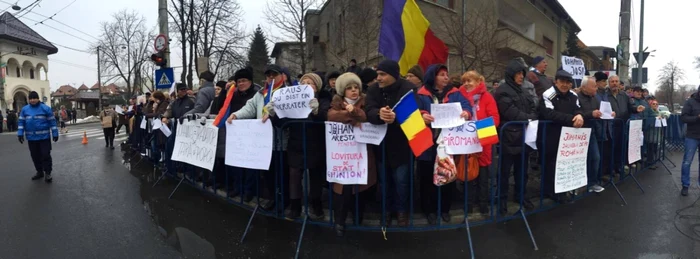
(468, 165)
(444, 169)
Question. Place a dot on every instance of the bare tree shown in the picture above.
(178, 13)
(220, 36)
(124, 46)
(697, 63)
(288, 17)
(356, 33)
(669, 76)
(480, 41)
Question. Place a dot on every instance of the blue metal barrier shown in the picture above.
(377, 217)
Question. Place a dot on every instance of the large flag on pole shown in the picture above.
(405, 36)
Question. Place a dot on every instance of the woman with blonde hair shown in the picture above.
(484, 106)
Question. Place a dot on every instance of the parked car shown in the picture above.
(664, 111)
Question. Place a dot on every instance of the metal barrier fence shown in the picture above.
(267, 192)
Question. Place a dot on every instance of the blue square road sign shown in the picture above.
(164, 78)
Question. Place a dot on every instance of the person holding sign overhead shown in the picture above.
(436, 90)
(312, 137)
(561, 106)
(514, 104)
(483, 106)
(347, 107)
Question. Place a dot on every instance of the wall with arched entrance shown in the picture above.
(19, 99)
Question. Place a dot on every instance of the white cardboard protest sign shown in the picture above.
(293, 101)
(166, 131)
(143, 123)
(636, 138)
(249, 144)
(447, 115)
(574, 66)
(606, 110)
(346, 159)
(461, 140)
(369, 133)
(571, 167)
(156, 123)
(531, 134)
(195, 144)
(118, 109)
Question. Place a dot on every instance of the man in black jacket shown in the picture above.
(514, 104)
(561, 106)
(590, 107)
(620, 103)
(381, 97)
(691, 116)
(178, 108)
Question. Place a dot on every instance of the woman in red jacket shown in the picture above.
(484, 105)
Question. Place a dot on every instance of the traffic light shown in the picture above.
(159, 59)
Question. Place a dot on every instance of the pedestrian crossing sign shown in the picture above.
(164, 77)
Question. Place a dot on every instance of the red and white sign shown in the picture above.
(161, 42)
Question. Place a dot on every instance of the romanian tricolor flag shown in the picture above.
(486, 130)
(420, 138)
(405, 36)
(224, 112)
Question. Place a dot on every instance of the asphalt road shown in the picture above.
(99, 208)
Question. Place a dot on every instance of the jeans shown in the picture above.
(399, 180)
(691, 145)
(593, 165)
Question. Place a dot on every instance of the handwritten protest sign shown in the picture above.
(293, 101)
(118, 109)
(461, 140)
(447, 115)
(249, 144)
(195, 144)
(574, 66)
(370, 133)
(634, 145)
(346, 159)
(570, 172)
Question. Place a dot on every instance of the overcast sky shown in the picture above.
(669, 29)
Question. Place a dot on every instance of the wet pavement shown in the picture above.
(98, 208)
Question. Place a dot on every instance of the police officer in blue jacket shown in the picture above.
(35, 120)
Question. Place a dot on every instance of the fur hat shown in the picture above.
(243, 73)
(344, 81)
(600, 76)
(315, 78)
(417, 71)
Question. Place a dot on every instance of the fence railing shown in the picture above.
(268, 192)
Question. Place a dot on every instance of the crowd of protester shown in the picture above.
(366, 95)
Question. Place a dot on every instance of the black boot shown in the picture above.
(38, 175)
(317, 208)
(294, 209)
(47, 177)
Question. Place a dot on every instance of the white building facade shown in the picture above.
(25, 63)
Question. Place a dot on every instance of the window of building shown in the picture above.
(31, 73)
(548, 45)
(18, 71)
(446, 3)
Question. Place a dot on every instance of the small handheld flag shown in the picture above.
(420, 138)
(486, 130)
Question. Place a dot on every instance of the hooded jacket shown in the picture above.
(514, 104)
(691, 116)
(483, 106)
(428, 94)
(37, 122)
(205, 95)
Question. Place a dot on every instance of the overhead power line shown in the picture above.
(51, 17)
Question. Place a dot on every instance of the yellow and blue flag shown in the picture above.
(420, 137)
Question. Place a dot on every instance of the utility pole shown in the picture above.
(163, 26)
(640, 58)
(99, 81)
(623, 63)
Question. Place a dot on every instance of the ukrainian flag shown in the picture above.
(486, 130)
(405, 36)
(420, 138)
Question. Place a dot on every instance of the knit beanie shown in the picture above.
(600, 76)
(537, 60)
(390, 67)
(315, 78)
(332, 75)
(367, 75)
(344, 81)
(243, 73)
(33, 95)
(417, 71)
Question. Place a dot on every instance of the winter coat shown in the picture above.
(428, 95)
(691, 116)
(483, 106)
(160, 109)
(647, 115)
(514, 104)
(315, 136)
(530, 90)
(588, 105)
(560, 108)
(239, 98)
(338, 113)
(179, 107)
(205, 95)
(36, 122)
(398, 152)
(540, 82)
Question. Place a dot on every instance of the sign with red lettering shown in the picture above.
(570, 172)
(636, 138)
(461, 140)
(346, 159)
